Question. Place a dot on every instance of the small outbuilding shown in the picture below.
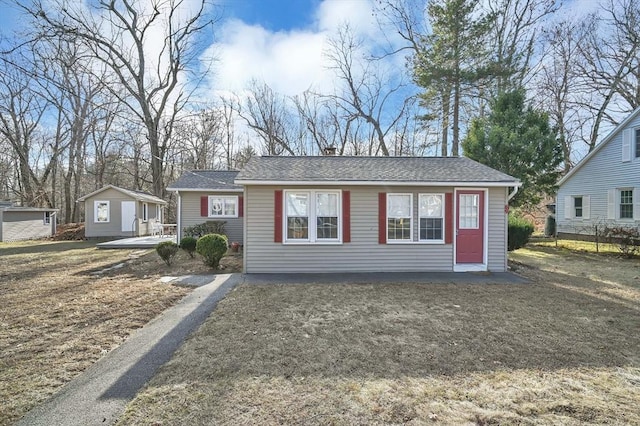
(117, 212)
(26, 223)
(210, 195)
(370, 214)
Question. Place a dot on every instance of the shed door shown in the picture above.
(470, 227)
(128, 216)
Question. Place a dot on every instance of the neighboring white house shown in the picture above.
(26, 223)
(117, 212)
(604, 188)
(209, 195)
(370, 214)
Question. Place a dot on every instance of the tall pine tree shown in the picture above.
(452, 60)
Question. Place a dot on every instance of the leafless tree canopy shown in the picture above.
(105, 92)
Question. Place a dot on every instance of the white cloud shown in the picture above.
(290, 62)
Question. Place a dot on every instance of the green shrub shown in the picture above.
(167, 250)
(550, 226)
(212, 247)
(202, 229)
(520, 230)
(188, 244)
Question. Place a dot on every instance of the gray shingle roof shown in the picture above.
(371, 169)
(206, 180)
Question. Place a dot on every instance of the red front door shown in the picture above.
(470, 227)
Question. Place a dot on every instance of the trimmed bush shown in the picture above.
(212, 248)
(188, 244)
(167, 250)
(520, 230)
(550, 226)
(202, 229)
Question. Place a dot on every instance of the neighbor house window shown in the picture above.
(223, 206)
(577, 205)
(47, 218)
(145, 212)
(101, 211)
(158, 213)
(431, 217)
(399, 217)
(637, 132)
(312, 216)
(626, 204)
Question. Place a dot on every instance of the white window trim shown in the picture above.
(618, 204)
(158, 213)
(145, 212)
(223, 197)
(394, 241)
(430, 241)
(95, 211)
(311, 215)
(46, 218)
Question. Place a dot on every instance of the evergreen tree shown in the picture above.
(452, 59)
(518, 140)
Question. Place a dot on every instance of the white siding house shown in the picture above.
(604, 188)
(209, 195)
(368, 214)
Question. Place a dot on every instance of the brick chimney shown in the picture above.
(329, 150)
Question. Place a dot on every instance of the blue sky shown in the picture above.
(274, 15)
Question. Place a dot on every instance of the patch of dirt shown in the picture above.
(69, 232)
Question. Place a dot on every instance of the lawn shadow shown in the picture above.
(39, 247)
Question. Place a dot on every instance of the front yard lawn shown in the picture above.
(57, 318)
(563, 349)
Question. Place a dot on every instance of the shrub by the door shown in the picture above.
(520, 230)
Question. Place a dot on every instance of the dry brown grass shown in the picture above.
(561, 350)
(56, 318)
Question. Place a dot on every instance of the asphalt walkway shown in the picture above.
(100, 394)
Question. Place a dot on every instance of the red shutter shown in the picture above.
(382, 218)
(277, 217)
(448, 218)
(240, 206)
(204, 206)
(346, 216)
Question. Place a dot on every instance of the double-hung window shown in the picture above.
(431, 216)
(312, 216)
(101, 211)
(637, 142)
(399, 217)
(223, 206)
(626, 204)
(145, 212)
(577, 206)
(47, 218)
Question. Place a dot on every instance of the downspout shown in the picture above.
(512, 193)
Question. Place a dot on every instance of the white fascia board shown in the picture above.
(378, 183)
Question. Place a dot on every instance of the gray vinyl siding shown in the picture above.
(190, 215)
(497, 236)
(24, 226)
(113, 228)
(363, 253)
(604, 171)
